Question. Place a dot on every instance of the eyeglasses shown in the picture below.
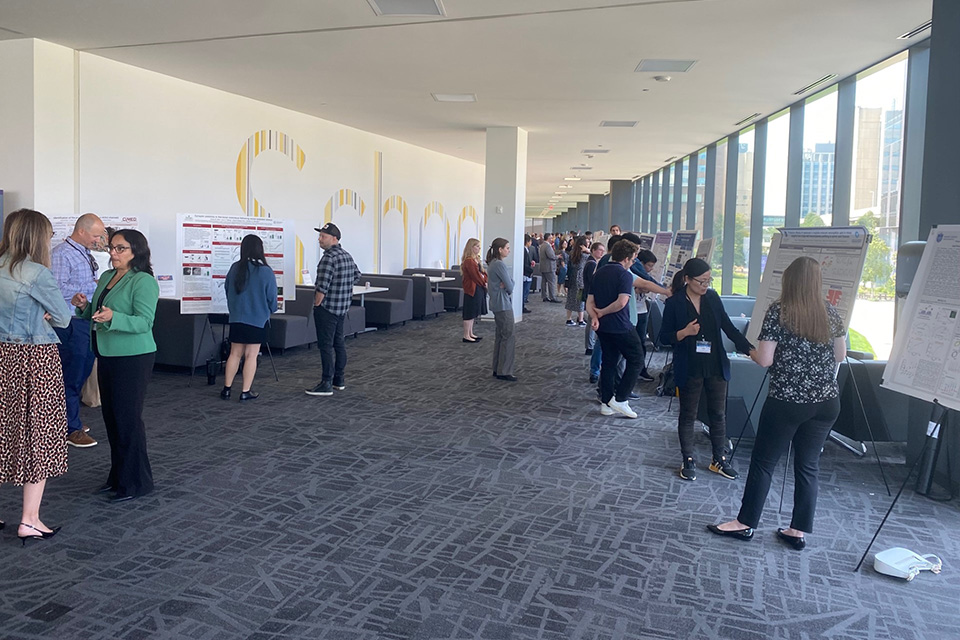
(704, 282)
(118, 248)
(93, 265)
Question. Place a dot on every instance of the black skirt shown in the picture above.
(247, 334)
(472, 305)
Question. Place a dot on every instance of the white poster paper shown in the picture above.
(705, 250)
(840, 251)
(207, 245)
(661, 248)
(63, 227)
(925, 360)
(683, 245)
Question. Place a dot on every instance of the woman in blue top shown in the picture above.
(33, 411)
(801, 340)
(251, 289)
(693, 318)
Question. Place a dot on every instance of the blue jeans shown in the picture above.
(526, 289)
(595, 358)
(77, 358)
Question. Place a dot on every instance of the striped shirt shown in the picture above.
(336, 275)
(74, 268)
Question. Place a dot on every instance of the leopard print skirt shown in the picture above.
(33, 413)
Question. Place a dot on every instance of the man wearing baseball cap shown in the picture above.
(336, 275)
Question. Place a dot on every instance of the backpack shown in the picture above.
(666, 387)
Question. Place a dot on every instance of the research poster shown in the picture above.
(705, 250)
(646, 240)
(661, 248)
(925, 360)
(840, 251)
(208, 244)
(684, 244)
(63, 227)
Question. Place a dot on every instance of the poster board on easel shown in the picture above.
(925, 360)
(684, 243)
(841, 252)
(705, 250)
(208, 244)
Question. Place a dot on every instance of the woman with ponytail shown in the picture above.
(801, 340)
(693, 318)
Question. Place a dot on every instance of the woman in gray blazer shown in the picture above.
(500, 285)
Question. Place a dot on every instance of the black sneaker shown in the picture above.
(339, 385)
(645, 376)
(593, 379)
(724, 468)
(525, 310)
(689, 470)
(571, 323)
(322, 389)
(588, 352)
(633, 396)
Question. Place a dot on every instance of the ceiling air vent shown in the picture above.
(420, 8)
(665, 66)
(747, 119)
(619, 123)
(580, 169)
(593, 151)
(917, 31)
(816, 83)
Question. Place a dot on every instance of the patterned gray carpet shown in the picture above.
(429, 500)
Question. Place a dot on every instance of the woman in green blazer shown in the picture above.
(122, 310)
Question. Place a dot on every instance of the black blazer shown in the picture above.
(676, 316)
(527, 258)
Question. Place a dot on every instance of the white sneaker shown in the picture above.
(605, 410)
(622, 407)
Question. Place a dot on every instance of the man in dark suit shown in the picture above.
(528, 264)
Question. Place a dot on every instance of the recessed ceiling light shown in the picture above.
(580, 168)
(747, 119)
(454, 97)
(665, 66)
(564, 186)
(572, 179)
(618, 123)
(592, 151)
(431, 8)
(816, 83)
(916, 31)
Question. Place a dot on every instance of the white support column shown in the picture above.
(504, 199)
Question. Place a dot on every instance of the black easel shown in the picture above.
(866, 420)
(223, 336)
(733, 452)
(934, 434)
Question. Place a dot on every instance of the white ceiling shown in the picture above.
(554, 67)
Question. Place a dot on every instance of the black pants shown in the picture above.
(615, 345)
(77, 360)
(123, 386)
(642, 334)
(716, 388)
(807, 426)
(330, 342)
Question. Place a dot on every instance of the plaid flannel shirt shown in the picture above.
(336, 275)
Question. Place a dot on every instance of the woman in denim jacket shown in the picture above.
(33, 414)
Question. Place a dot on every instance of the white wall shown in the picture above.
(54, 143)
(156, 146)
(16, 124)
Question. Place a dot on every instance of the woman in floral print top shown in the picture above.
(801, 340)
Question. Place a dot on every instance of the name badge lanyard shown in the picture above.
(703, 345)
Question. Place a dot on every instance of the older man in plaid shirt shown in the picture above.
(336, 275)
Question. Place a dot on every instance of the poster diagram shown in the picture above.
(840, 251)
(683, 245)
(207, 245)
(661, 248)
(925, 360)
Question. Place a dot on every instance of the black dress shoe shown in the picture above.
(739, 534)
(508, 378)
(792, 541)
(477, 338)
(107, 488)
(525, 310)
(249, 395)
(470, 341)
(225, 393)
(121, 498)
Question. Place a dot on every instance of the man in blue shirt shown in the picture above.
(76, 272)
(609, 307)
